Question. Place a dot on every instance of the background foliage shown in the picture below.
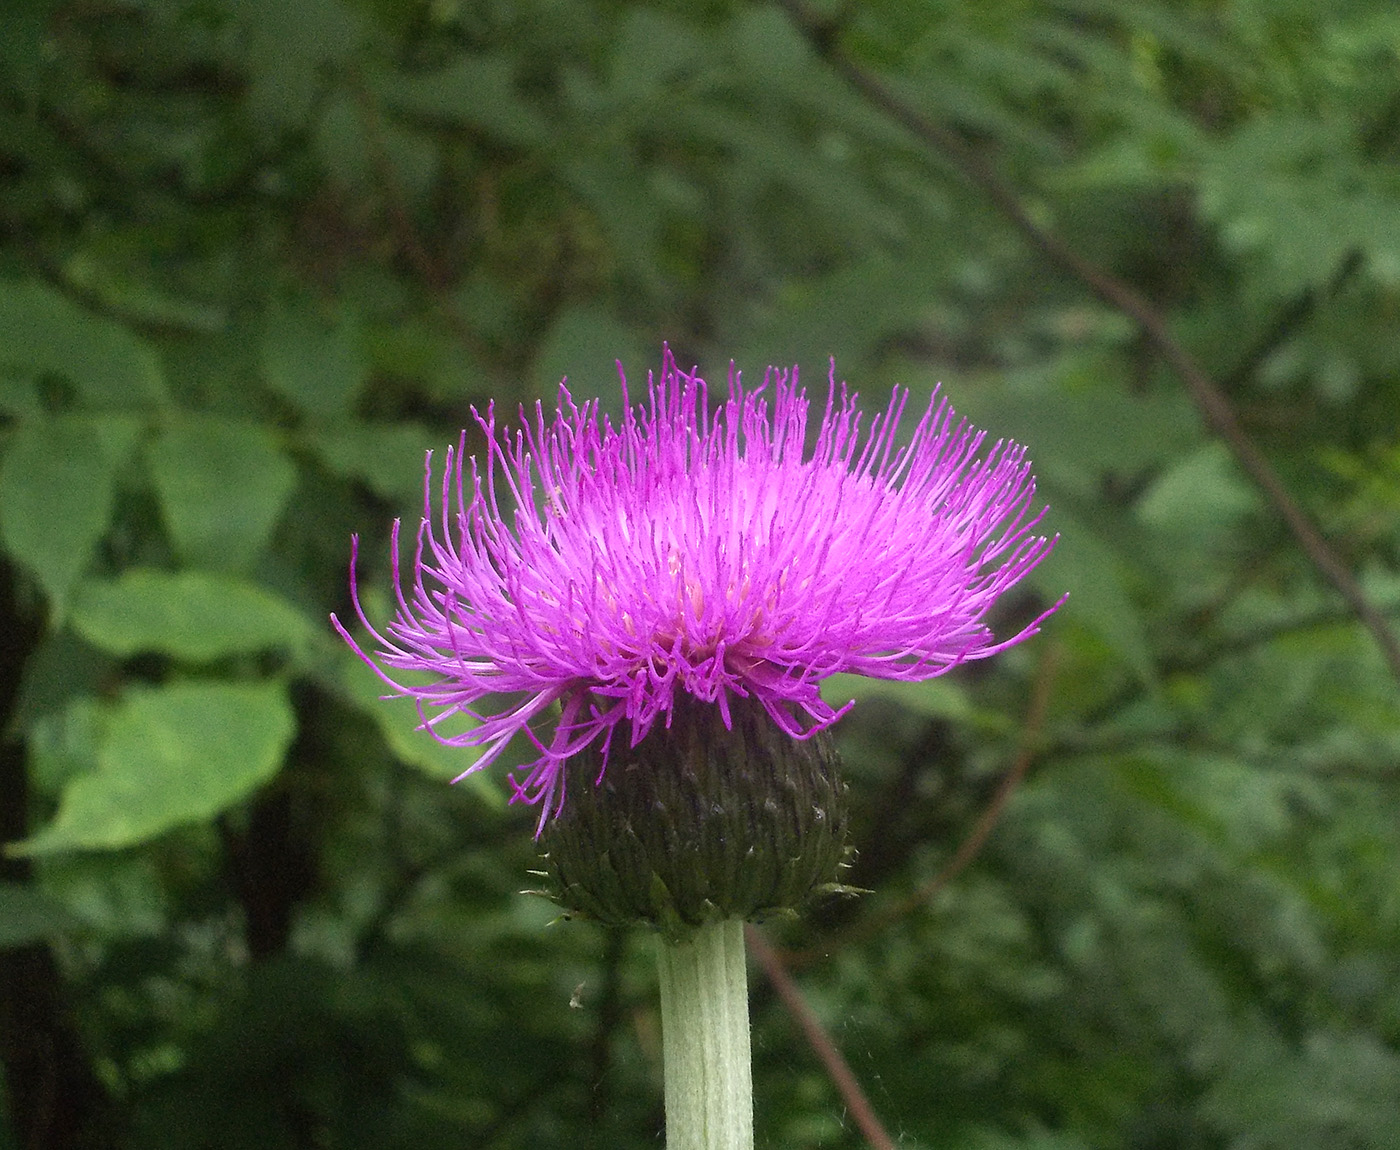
(256, 257)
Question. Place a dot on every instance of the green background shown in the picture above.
(257, 256)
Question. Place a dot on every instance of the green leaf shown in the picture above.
(478, 90)
(936, 698)
(171, 755)
(56, 494)
(27, 915)
(387, 458)
(399, 722)
(1083, 433)
(289, 46)
(197, 616)
(26, 45)
(104, 276)
(62, 744)
(45, 333)
(1299, 194)
(222, 487)
(1331, 1088)
(585, 345)
(1090, 569)
(340, 144)
(315, 360)
(849, 313)
(1202, 494)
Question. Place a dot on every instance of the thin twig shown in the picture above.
(836, 1066)
(1209, 399)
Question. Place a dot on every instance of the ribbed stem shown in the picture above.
(705, 1039)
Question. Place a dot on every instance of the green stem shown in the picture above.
(705, 1040)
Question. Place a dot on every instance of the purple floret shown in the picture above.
(606, 568)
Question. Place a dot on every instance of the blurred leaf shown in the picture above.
(1339, 1089)
(937, 698)
(652, 48)
(388, 458)
(56, 497)
(101, 276)
(1203, 493)
(341, 143)
(171, 755)
(1294, 190)
(197, 616)
(478, 90)
(290, 46)
(43, 332)
(222, 487)
(26, 43)
(848, 313)
(1090, 569)
(28, 915)
(402, 727)
(314, 360)
(586, 344)
(1083, 433)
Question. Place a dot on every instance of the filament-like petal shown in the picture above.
(607, 568)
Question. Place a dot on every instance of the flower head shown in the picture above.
(719, 554)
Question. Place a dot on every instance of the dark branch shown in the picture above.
(845, 1081)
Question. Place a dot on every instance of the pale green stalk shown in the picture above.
(705, 1040)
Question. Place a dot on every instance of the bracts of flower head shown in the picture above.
(733, 553)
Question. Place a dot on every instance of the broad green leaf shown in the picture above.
(1087, 567)
(56, 494)
(1082, 433)
(413, 158)
(1334, 1088)
(45, 333)
(104, 276)
(171, 755)
(222, 487)
(388, 458)
(1202, 494)
(289, 47)
(28, 915)
(315, 360)
(419, 347)
(19, 397)
(585, 344)
(937, 698)
(193, 615)
(639, 71)
(340, 144)
(849, 313)
(402, 727)
(1299, 194)
(62, 743)
(26, 44)
(479, 90)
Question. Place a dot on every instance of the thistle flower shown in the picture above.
(722, 555)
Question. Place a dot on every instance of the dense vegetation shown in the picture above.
(257, 256)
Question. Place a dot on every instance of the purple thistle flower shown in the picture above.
(605, 569)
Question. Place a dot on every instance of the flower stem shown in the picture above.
(705, 1040)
